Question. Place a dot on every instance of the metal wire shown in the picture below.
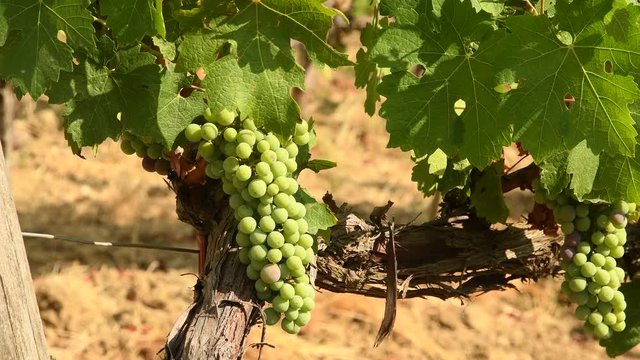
(108, 243)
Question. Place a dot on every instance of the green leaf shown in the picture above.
(427, 183)
(486, 195)
(40, 38)
(437, 162)
(317, 165)
(621, 342)
(551, 66)
(582, 165)
(458, 57)
(618, 178)
(129, 20)
(257, 75)
(366, 71)
(553, 174)
(318, 215)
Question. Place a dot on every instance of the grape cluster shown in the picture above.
(594, 238)
(153, 155)
(256, 170)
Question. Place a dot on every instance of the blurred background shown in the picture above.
(106, 303)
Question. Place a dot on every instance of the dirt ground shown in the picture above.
(99, 303)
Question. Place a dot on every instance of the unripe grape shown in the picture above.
(252, 273)
(597, 238)
(303, 226)
(594, 318)
(620, 316)
(230, 164)
(246, 136)
(242, 239)
(601, 331)
(284, 270)
(247, 225)
(225, 117)
(257, 188)
(193, 132)
(269, 157)
(301, 128)
(267, 224)
(274, 256)
(281, 200)
(303, 318)
(602, 277)
(243, 173)
(271, 316)
(291, 314)
(126, 147)
(278, 284)
(292, 149)
(258, 237)
(279, 215)
(235, 201)
(264, 209)
(598, 260)
(294, 263)
(577, 284)
(609, 263)
(296, 302)
(584, 247)
(306, 241)
(275, 240)
(567, 227)
(282, 154)
(621, 206)
(602, 221)
(620, 273)
(258, 253)
(292, 238)
(268, 179)
(582, 312)
(279, 304)
(154, 151)
(579, 298)
(278, 169)
(243, 150)
(310, 256)
(611, 241)
(291, 165)
(209, 132)
(606, 294)
(262, 146)
(273, 189)
(249, 125)
(622, 237)
(617, 252)
(270, 273)
(593, 288)
(588, 270)
(308, 304)
(609, 319)
(287, 291)
(290, 326)
(603, 249)
(582, 224)
(618, 327)
(287, 250)
(579, 259)
(304, 279)
(243, 256)
(230, 134)
(290, 226)
(582, 210)
(301, 139)
(274, 143)
(593, 301)
(260, 286)
(304, 290)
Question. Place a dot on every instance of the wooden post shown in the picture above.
(21, 331)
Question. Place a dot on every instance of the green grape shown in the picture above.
(278, 169)
(567, 228)
(230, 164)
(620, 316)
(229, 149)
(579, 298)
(244, 211)
(292, 149)
(209, 132)
(271, 316)
(301, 139)
(602, 277)
(303, 226)
(243, 173)
(243, 150)
(284, 270)
(289, 326)
(193, 132)
(609, 319)
(274, 256)
(310, 256)
(208, 115)
(282, 182)
(246, 136)
(287, 250)
(302, 211)
(282, 154)
(269, 157)
(267, 224)
(598, 260)
(258, 253)
(273, 189)
(292, 238)
(260, 286)
(257, 265)
(245, 195)
(281, 200)
(230, 134)
(601, 330)
(617, 252)
(259, 135)
(307, 304)
(257, 188)
(602, 221)
(304, 279)
(593, 301)
(214, 170)
(258, 237)
(225, 117)
(287, 291)
(303, 318)
(267, 200)
(235, 201)
(582, 224)
(243, 256)
(582, 312)
(249, 124)
(279, 304)
(539, 197)
(576, 284)
(273, 141)
(621, 206)
(606, 294)
(618, 327)
(582, 210)
(289, 226)
(306, 241)
(593, 288)
(206, 150)
(268, 179)
(620, 273)
(279, 215)
(301, 128)
(126, 147)
(278, 284)
(609, 263)
(305, 290)
(300, 252)
(263, 169)
(291, 314)
(611, 241)
(294, 263)
(242, 239)
(604, 308)
(603, 249)
(262, 146)
(597, 238)
(594, 318)
(252, 273)
(584, 247)
(264, 209)
(579, 259)
(622, 237)
(291, 165)
(270, 273)
(275, 240)
(247, 225)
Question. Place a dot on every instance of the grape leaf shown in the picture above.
(129, 20)
(486, 195)
(317, 165)
(419, 108)
(366, 71)
(256, 77)
(40, 38)
(318, 215)
(618, 178)
(437, 162)
(454, 176)
(565, 93)
(553, 172)
(621, 342)
(582, 164)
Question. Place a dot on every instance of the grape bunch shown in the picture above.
(153, 155)
(594, 239)
(256, 170)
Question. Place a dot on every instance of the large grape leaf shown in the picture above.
(129, 20)
(618, 178)
(582, 165)
(458, 57)
(147, 96)
(486, 194)
(567, 91)
(621, 342)
(40, 38)
(259, 71)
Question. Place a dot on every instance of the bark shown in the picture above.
(7, 111)
(20, 324)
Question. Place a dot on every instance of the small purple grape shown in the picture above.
(567, 254)
(148, 164)
(617, 217)
(572, 239)
(163, 166)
